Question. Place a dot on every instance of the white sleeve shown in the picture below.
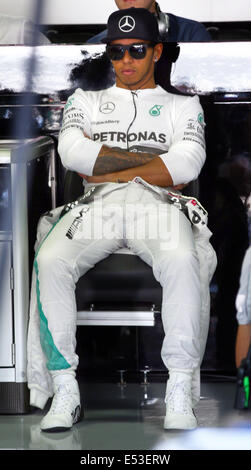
(186, 154)
(77, 152)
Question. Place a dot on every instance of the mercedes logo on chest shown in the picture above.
(107, 108)
(126, 24)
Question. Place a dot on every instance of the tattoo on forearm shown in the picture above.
(116, 159)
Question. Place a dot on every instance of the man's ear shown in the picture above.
(158, 48)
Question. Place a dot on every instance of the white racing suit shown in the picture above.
(180, 254)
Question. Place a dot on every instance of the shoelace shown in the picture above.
(62, 401)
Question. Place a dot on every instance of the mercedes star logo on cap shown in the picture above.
(127, 24)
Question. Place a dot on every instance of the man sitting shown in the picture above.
(130, 143)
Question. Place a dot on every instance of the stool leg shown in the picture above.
(122, 381)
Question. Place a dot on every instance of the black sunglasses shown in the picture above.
(137, 50)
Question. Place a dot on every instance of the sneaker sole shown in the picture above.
(78, 416)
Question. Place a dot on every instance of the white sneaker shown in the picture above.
(65, 409)
(179, 412)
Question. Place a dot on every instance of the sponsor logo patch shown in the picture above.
(107, 108)
(127, 24)
(155, 110)
(200, 118)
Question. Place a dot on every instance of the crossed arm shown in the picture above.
(99, 163)
(118, 165)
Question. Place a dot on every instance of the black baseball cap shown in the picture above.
(132, 23)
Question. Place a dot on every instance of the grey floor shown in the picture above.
(131, 418)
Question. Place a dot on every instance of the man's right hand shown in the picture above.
(114, 159)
